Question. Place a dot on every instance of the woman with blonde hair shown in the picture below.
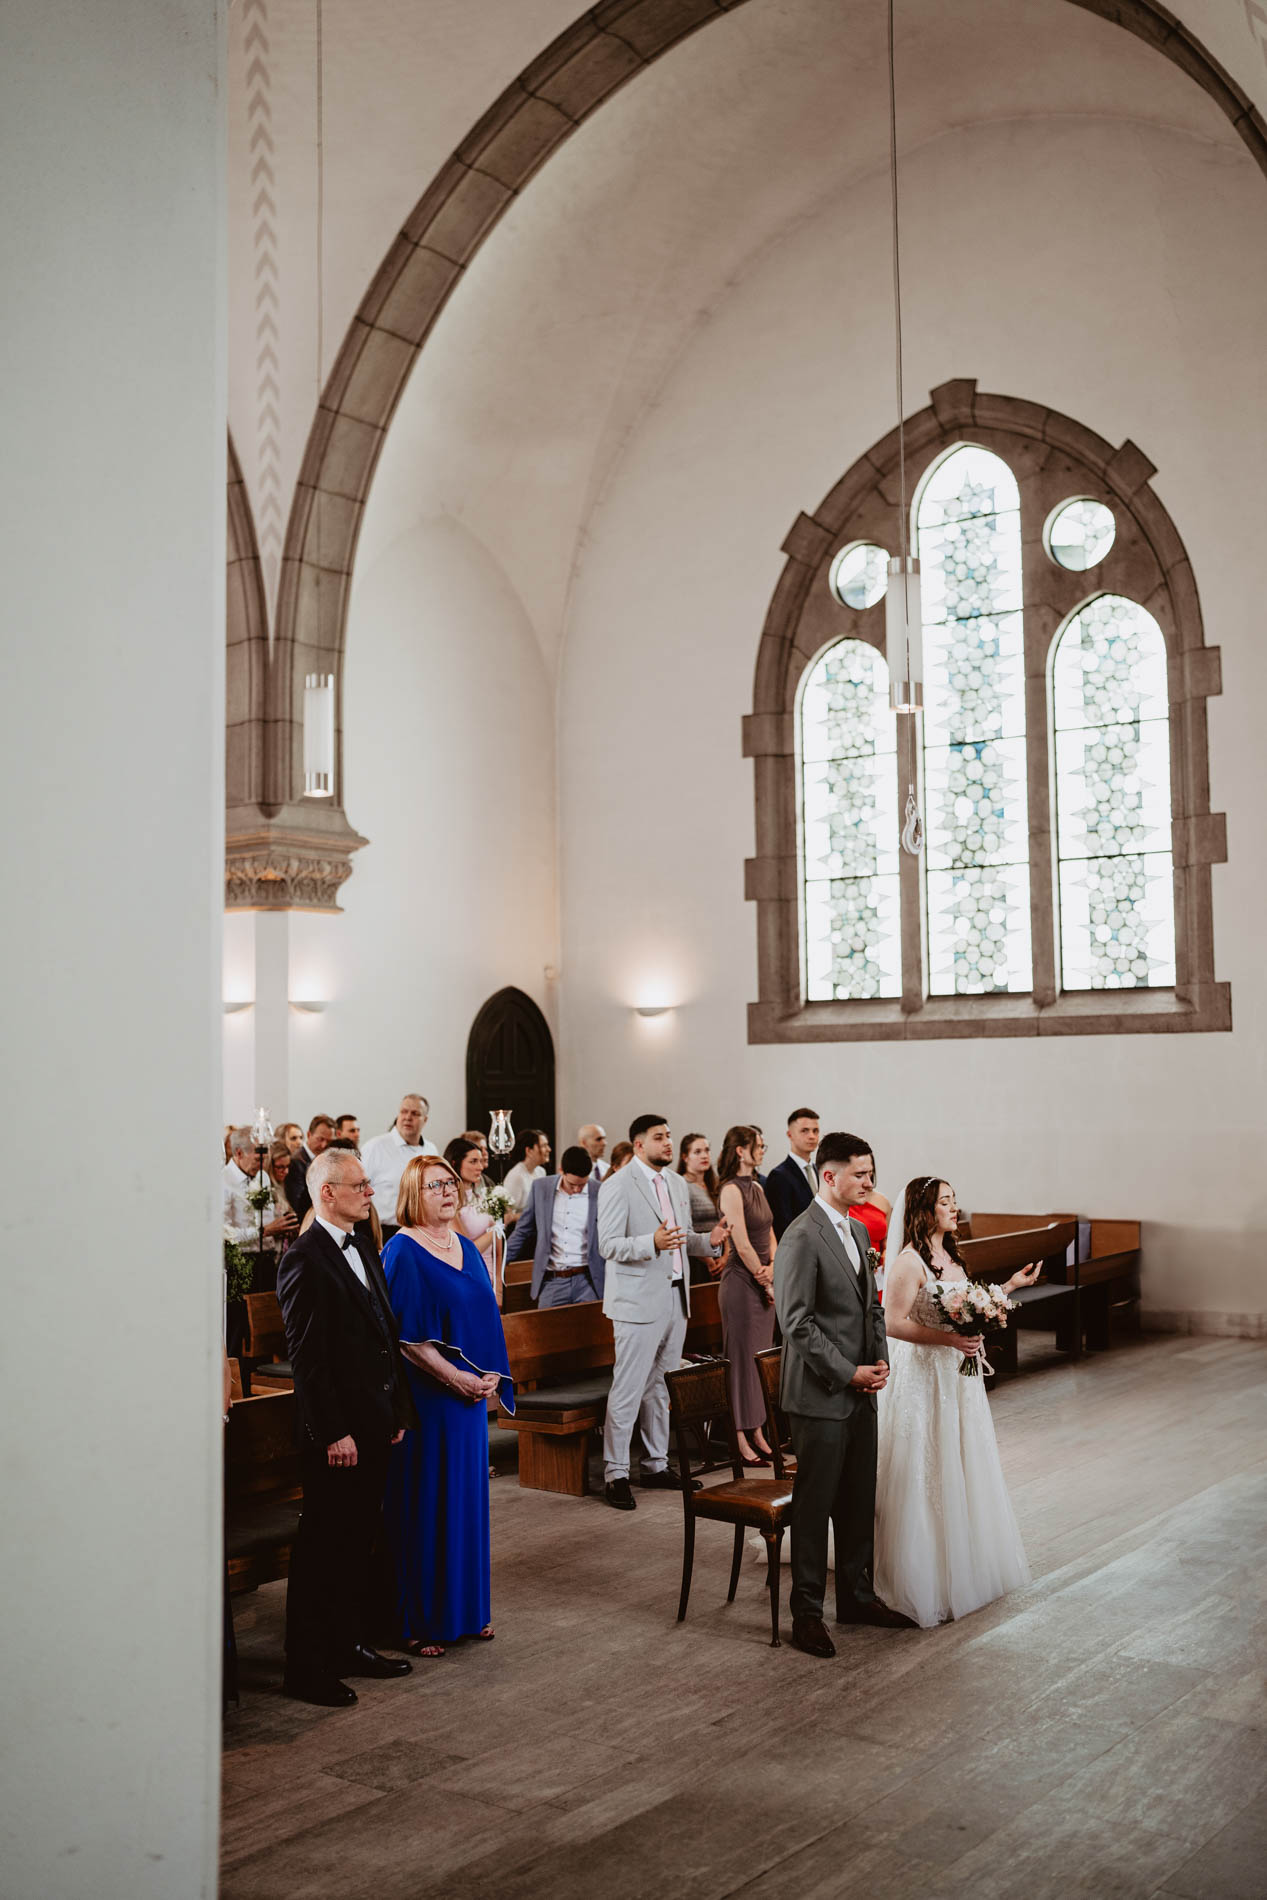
(436, 1506)
(746, 1296)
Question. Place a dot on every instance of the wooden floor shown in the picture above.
(1103, 1733)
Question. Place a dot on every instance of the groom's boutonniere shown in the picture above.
(873, 1259)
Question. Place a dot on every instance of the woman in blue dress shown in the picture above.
(436, 1506)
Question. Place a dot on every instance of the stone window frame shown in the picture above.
(1053, 459)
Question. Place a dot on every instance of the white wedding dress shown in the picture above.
(946, 1536)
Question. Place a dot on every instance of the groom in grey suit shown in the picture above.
(644, 1235)
(835, 1362)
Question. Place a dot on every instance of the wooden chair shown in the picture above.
(699, 1395)
(769, 1366)
(264, 1349)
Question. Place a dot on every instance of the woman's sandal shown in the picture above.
(420, 1648)
(485, 1635)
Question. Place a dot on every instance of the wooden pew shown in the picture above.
(1108, 1268)
(264, 1349)
(262, 1489)
(561, 1361)
(1054, 1303)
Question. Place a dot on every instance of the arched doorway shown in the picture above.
(510, 1064)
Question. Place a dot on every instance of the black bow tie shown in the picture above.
(349, 1240)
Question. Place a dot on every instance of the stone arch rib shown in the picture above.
(599, 53)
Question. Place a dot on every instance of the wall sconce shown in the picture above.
(308, 1005)
(238, 1003)
(652, 1009)
(318, 735)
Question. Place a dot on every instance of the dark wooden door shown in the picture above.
(510, 1064)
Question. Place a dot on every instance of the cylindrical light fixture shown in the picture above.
(904, 636)
(318, 735)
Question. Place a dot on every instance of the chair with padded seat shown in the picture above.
(699, 1396)
(769, 1366)
(264, 1358)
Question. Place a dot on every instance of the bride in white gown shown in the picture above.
(946, 1536)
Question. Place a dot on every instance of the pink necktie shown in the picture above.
(666, 1208)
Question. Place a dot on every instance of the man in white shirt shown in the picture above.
(518, 1182)
(791, 1186)
(594, 1141)
(241, 1221)
(559, 1229)
(387, 1156)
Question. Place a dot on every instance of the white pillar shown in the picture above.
(112, 522)
(272, 1012)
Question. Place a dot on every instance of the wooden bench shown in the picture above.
(1054, 1304)
(561, 1361)
(1108, 1259)
(264, 1348)
(262, 1490)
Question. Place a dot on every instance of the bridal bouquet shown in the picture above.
(970, 1306)
(495, 1202)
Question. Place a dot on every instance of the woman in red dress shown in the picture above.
(874, 1214)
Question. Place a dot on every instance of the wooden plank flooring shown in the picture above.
(1103, 1733)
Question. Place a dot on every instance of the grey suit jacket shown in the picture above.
(830, 1316)
(628, 1215)
(534, 1233)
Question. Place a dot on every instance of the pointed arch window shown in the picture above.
(1065, 882)
(1112, 729)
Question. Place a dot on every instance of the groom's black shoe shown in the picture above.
(367, 1662)
(619, 1496)
(666, 1480)
(878, 1614)
(809, 1633)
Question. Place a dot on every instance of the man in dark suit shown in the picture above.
(835, 1361)
(320, 1135)
(353, 1404)
(792, 1186)
(559, 1228)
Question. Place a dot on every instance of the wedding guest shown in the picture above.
(342, 1144)
(594, 1141)
(320, 1135)
(622, 1155)
(793, 1184)
(644, 1235)
(559, 1228)
(695, 1165)
(436, 1509)
(353, 1404)
(293, 1136)
(947, 1541)
(529, 1168)
(746, 1297)
(386, 1157)
(759, 1152)
(481, 1142)
(242, 1221)
(349, 1128)
(874, 1213)
(466, 1158)
(228, 1141)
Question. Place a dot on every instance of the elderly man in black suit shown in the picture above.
(353, 1404)
(559, 1228)
(793, 1184)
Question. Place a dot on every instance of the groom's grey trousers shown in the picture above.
(835, 1483)
(645, 1351)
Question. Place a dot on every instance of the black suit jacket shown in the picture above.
(297, 1182)
(349, 1378)
(787, 1191)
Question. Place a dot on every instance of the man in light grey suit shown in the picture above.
(835, 1361)
(644, 1235)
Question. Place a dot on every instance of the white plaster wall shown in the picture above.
(112, 548)
(1116, 272)
(449, 741)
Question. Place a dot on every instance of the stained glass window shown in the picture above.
(968, 528)
(849, 827)
(1117, 927)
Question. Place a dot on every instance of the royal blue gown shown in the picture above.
(436, 1505)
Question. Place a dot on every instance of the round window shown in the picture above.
(1079, 534)
(860, 575)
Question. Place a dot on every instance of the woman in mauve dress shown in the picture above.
(746, 1296)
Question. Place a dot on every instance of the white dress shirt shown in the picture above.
(385, 1159)
(810, 1172)
(654, 1176)
(241, 1221)
(841, 1223)
(569, 1233)
(601, 1167)
(351, 1254)
(518, 1184)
